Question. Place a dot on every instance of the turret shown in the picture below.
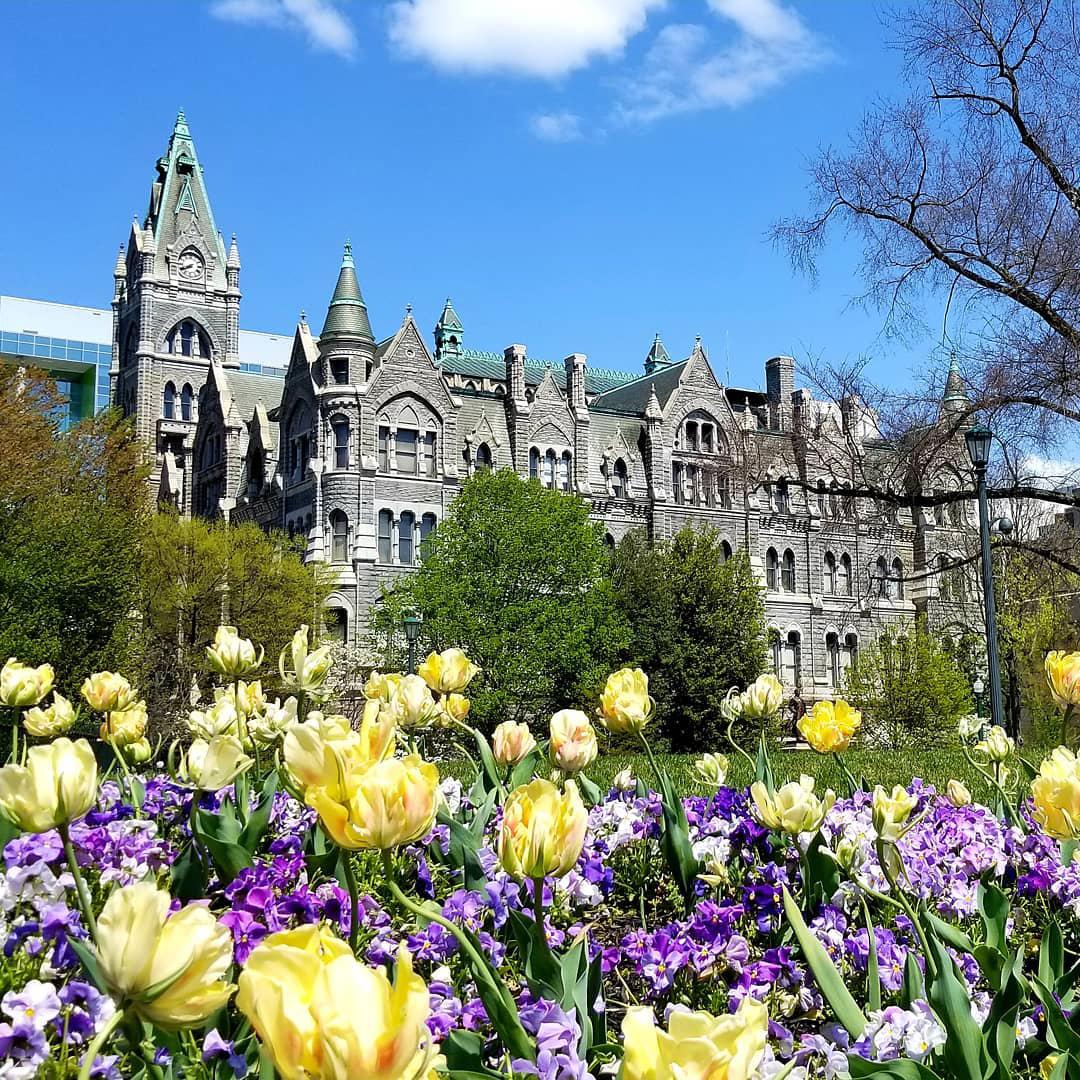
(657, 356)
(347, 344)
(954, 402)
(449, 335)
(232, 305)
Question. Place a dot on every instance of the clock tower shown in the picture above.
(176, 311)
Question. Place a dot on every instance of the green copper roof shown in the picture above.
(347, 313)
(657, 355)
(480, 364)
(449, 320)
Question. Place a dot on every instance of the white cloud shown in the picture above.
(557, 127)
(319, 20)
(687, 69)
(541, 38)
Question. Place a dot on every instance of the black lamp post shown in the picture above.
(978, 441)
(411, 621)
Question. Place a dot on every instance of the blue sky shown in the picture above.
(576, 174)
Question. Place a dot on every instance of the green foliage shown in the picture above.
(72, 510)
(517, 576)
(195, 575)
(698, 626)
(908, 688)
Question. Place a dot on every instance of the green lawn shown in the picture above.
(886, 767)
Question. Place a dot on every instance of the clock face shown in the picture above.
(190, 266)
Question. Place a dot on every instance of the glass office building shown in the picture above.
(72, 344)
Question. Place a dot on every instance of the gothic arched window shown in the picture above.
(483, 457)
(843, 575)
(339, 536)
(385, 541)
(787, 571)
(897, 582)
(406, 524)
(187, 396)
(534, 463)
(772, 570)
(427, 530)
(169, 401)
(619, 480)
(340, 427)
(565, 470)
(829, 575)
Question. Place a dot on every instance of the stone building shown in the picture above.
(362, 443)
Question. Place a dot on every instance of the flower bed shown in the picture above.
(299, 898)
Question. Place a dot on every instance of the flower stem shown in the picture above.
(538, 911)
(737, 747)
(99, 1041)
(15, 736)
(81, 890)
(652, 761)
(846, 771)
(354, 898)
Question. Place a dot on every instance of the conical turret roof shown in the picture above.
(347, 313)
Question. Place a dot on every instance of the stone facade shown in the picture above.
(364, 443)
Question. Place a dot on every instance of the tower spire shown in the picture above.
(955, 400)
(347, 314)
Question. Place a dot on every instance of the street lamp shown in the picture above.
(978, 441)
(977, 687)
(411, 621)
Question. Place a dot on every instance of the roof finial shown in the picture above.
(303, 316)
(181, 126)
(408, 311)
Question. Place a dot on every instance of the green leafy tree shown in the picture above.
(72, 509)
(195, 575)
(698, 628)
(908, 688)
(517, 575)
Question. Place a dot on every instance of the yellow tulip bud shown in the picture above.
(50, 722)
(126, 727)
(138, 752)
(210, 766)
(762, 699)
(1056, 792)
(696, 1044)
(891, 812)
(829, 726)
(1047, 1066)
(325, 1016)
(448, 672)
(624, 780)
(712, 769)
(573, 741)
(168, 968)
(453, 709)
(57, 785)
(22, 685)
(381, 806)
(1063, 677)
(309, 667)
(543, 830)
(957, 793)
(231, 655)
(997, 745)
(512, 743)
(794, 808)
(106, 691)
(625, 705)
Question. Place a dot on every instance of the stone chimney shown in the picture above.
(780, 387)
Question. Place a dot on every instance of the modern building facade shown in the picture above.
(359, 441)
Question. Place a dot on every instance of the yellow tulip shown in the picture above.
(1056, 791)
(210, 766)
(325, 1016)
(696, 1046)
(310, 667)
(1047, 1066)
(318, 752)
(452, 709)
(231, 655)
(169, 968)
(275, 992)
(794, 808)
(573, 741)
(412, 705)
(22, 685)
(1063, 677)
(380, 806)
(997, 745)
(381, 687)
(268, 726)
(957, 793)
(762, 699)
(543, 830)
(448, 672)
(891, 811)
(220, 719)
(829, 726)
(105, 691)
(378, 733)
(57, 785)
(138, 752)
(625, 705)
(712, 769)
(125, 727)
(512, 742)
(52, 721)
